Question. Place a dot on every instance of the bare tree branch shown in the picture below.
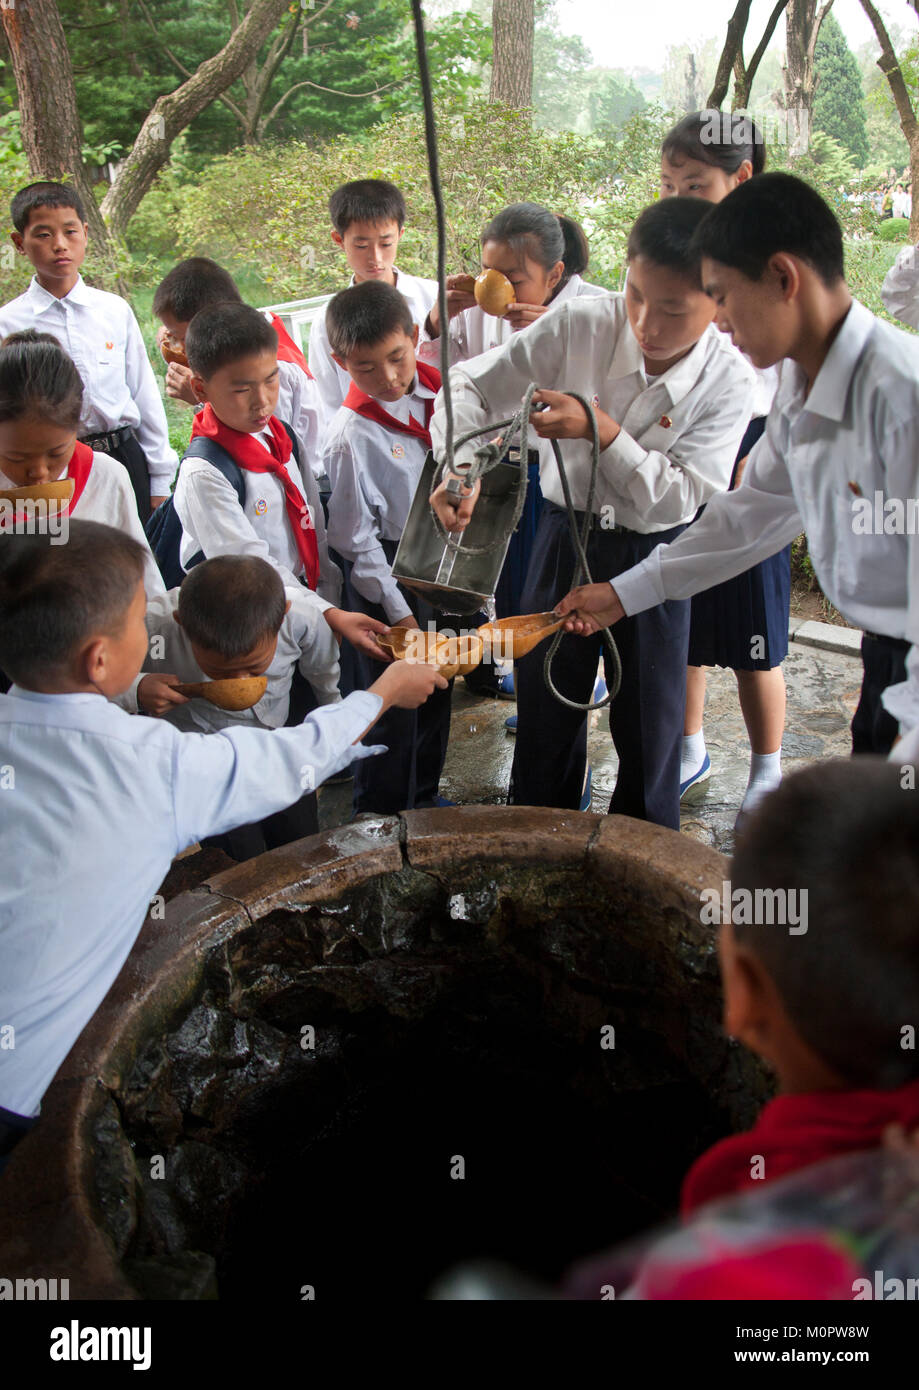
(815, 32)
(731, 54)
(760, 50)
(890, 67)
(172, 112)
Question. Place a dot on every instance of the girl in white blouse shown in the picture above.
(543, 255)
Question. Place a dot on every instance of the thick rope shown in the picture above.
(488, 456)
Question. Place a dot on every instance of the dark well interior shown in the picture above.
(452, 1021)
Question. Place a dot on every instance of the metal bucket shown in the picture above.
(451, 579)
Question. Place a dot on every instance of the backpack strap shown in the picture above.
(295, 445)
(200, 447)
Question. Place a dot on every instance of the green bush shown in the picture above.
(894, 229)
(268, 207)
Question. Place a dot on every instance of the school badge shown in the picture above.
(398, 452)
(261, 507)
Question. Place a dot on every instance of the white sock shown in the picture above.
(765, 774)
(692, 756)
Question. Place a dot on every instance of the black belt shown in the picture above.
(104, 443)
(899, 644)
(596, 522)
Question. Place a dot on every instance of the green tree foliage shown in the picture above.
(267, 208)
(362, 51)
(887, 147)
(839, 104)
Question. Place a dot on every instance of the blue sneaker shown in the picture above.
(705, 771)
(506, 687)
(587, 793)
(510, 724)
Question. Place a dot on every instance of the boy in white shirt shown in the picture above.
(104, 800)
(123, 413)
(374, 455)
(196, 284)
(839, 459)
(673, 399)
(368, 220)
(232, 351)
(900, 290)
(233, 617)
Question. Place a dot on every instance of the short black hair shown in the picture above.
(366, 200)
(847, 833)
(193, 285)
(664, 233)
(546, 237)
(366, 314)
(723, 139)
(771, 214)
(54, 598)
(38, 378)
(44, 195)
(231, 603)
(225, 332)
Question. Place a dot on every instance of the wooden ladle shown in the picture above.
(454, 656)
(236, 693)
(457, 656)
(413, 642)
(514, 637)
(59, 491)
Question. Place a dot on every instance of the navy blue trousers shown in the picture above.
(884, 663)
(408, 775)
(646, 718)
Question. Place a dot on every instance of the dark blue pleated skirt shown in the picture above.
(743, 623)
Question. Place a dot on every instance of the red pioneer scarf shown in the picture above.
(252, 456)
(287, 348)
(79, 469)
(794, 1131)
(362, 404)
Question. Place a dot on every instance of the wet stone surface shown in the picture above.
(453, 1017)
(823, 690)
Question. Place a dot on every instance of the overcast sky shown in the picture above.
(626, 34)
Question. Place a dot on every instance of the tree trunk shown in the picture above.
(512, 25)
(890, 67)
(52, 135)
(172, 112)
(802, 28)
(731, 55)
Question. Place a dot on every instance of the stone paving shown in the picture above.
(823, 691)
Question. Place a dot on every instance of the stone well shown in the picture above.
(377, 1052)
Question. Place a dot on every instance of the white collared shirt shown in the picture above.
(305, 640)
(333, 381)
(679, 434)
(473, 331)
(107, 497)
(300, 405)
(374, 473)
(821, 467)
(103, 801)
(100, 333)
(213, 521)
(900, 290)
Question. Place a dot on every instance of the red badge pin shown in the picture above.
(665, 422)
(110, 346)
